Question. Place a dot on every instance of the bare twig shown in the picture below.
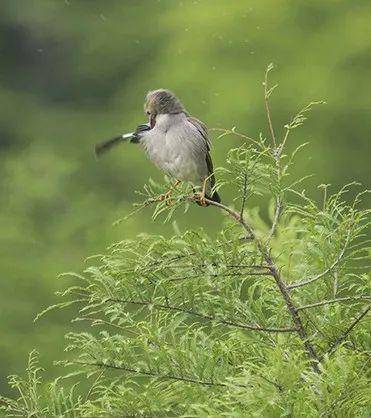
(331, 301)
(252, 327)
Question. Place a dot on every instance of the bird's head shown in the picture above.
(159, 102)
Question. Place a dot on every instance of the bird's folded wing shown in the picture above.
(203, 132)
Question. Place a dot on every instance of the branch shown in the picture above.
(276, 219)
(296, 121)
(93, 386)
(328, 302)
(151, 374)
(234, 274)
(252, 327)
(167, 264)
(245, 266)
(180, 256)
(283, 143)
(325, 272)
(267, 93)
(276, 153)
(170, 376)
(98, 321)
(233, 214)
(283, 288)
(244, 196)
(238, 134)
(335, 284)
(344, 335)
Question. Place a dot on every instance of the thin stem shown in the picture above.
(244, 196)
(267, 109)
(344, 335)
(151, 374)
(335, 284)
(238, 134)
(245, 266)
(331, 301)
(180, 256)
(169, 376)
(276, 155)
(166, 264)
(234, 274)
(252, 327)
(276, 219)
(234, 215)
(92, 387)
(98, 321)
(325, 272)
(283, 143)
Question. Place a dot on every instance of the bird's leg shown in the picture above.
(202, 194)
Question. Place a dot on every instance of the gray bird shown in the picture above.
(175, 142)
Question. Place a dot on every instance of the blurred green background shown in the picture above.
(75, 72)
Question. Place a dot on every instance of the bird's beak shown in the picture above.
(152, 121)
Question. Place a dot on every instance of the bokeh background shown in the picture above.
(74, 72)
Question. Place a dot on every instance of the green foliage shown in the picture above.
(266, 319)
(74, 72)
(52, 401)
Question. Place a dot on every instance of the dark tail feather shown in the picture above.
(133, 137)
(105, 146)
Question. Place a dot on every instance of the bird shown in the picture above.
(177, 143)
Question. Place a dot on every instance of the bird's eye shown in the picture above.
(148, 112)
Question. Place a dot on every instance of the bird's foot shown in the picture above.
(200, 199)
